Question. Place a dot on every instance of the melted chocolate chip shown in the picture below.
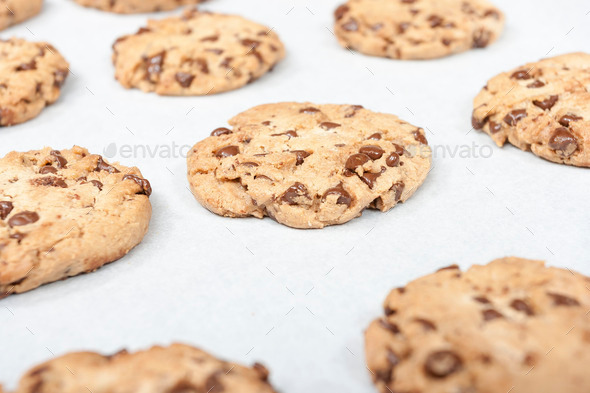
(441, 364)
(47, 169)
(562, 300)
(103, 166)
(221, 131)
(563, 142)
(301, 155)
(390, 326)
(522, 306)
(418, 136)
(376, 136)
(97, 184)
(61, 161)
(31, 65)
(309, 110)
(398, 149)
(341, 11)
(227, 151)
(295, 191)
(327, 125)
(154, 64)
(522, 75)
(356, 160)
(565, 120)
(184, 79)
(398, 188)
(482, 300)
(476, 123)
(23, 218)
(370, 178)
(374, 152)
(547, 103)
(494, 127)
(344, 197)
(5, 209)
(290, 134)
(535, 85)
(392, 160)
(50, 181)
(143, 183)
(515, 116)
(491, 314)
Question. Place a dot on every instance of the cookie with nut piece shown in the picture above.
(13, 12)
(198, 53)
(66, 212)
(31, 77)
(136, 6)
(417, 29)
(307, 165)
(542, 107)
(178, 368)
(511, 325)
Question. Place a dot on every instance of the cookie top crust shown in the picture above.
(308, 165)
(66, 212)
(136, 6)
(17, 11)
(417, 29)
(175, 369)
(543, 107)
(196, 54)
(31, 77)
(513, 324)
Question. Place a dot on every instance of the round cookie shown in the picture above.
(543, 107)
(66, 212)
(307, 165)
(197, 54)
(16, 11)
(513, 325)
(417, 29)
(136, 6)
(31, 76)
(175, 369)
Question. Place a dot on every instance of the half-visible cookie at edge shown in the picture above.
(513, 325)
(17, 11)
(178, 368)
(307, 165)
(197, 54)
(66, 212)
(31, 76)
(417, 29)
(136, 6)
(543, 107)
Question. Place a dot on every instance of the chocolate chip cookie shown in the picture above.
(196, 54)
(31, 76)
(16, 11)
(513, 325)
(307, 165)
(175, 369)
(66, 212)
(543, 107)
(417, 29)
(136, 6)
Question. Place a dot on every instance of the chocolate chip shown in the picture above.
(23, 218)
(562, 300)
(388, 311)
(374, 152)
(50, 181)
(435, 21)
(249, 164)
(213, 385)
(522, 306)
(398, 149)
(344, 197)
(370, 178)
(355, 161)
(59, 77)
(227, 151)
(476, 123)
(262, 371)
(31, 65)
(154, 64)
(290, 134)
(482, 300)
(351, 25)
(481, 38)
(47, 169)
(5, 209)
(535, 85)
(103, 166)
(563, 142)
(515, 116)
(390, 326)
(521, 74)
(329, 125)
(565, 120)
(211, 38)
(309, 110)
(341, 11)
(252, 44)
(295, 191)
(392, 160)
(547, 103)
(450, 267)
(376, 136)
(184, 79)
(494, 127)
(398, 188)
(221, 131)
(143, 183)
(491, 314)
(441, 364)
(386, 374)
(301, 155)
(353, 110)
(61, 161)
(418, 136)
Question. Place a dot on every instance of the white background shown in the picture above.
(249, 289)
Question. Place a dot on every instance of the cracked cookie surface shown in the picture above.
(542, 107)
(31, 76)
(66, 212)
(136, 6)
(505, 326)
(178, 368)
(417, 29)
(307, 165)
(17, 11)
(198, 53)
